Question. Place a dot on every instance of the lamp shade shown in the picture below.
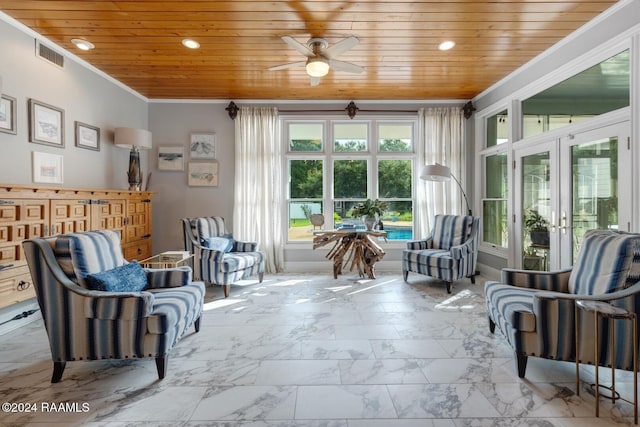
(435, 172)
(317, 67)
(131, 137)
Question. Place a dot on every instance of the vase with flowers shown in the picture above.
(369, 211)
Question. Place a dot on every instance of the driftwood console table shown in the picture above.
(357, 247)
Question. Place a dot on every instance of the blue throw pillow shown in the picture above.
(126, 278)
(220, 244)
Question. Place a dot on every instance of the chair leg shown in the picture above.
(161, 364)
(261, 276)
(521, 361)
(197, 324)
(492, 325)
(448, 287)
(226, 289)
(473, 279)
(58, 369)
(405, 274)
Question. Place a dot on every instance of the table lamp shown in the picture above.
(439, 172)
(135, 139)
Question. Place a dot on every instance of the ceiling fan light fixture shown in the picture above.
(317, 67)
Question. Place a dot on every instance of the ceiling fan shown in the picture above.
(321, 57)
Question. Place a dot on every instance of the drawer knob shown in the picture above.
(23, 285)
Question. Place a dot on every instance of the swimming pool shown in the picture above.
(398, 232)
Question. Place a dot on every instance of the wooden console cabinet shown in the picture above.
(27, 212)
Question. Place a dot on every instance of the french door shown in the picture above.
(567, 186)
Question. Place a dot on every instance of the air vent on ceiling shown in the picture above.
(49, 55)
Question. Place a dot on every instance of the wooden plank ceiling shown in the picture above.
(139, 44)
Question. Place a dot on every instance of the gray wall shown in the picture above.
(83, 95)
(171, 125)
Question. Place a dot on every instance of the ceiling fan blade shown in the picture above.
(298, 46)
(315, 81)
(345, 66)
(341, 47)
(285, 66)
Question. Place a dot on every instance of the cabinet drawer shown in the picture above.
(15, 286)
(138, 250)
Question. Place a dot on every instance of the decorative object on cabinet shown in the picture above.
(135, 139)
(171, 158)
(87, 136)
(441, 173)
(8, 114)
(203, 174)
(47, 168)
(203, 146)
(46, 124)
(28, 212)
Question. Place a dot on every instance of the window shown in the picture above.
(497, 129)
(494, 203)
(365, 159)
(596, 90)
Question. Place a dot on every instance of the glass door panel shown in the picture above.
(595, 189)
(536, 210)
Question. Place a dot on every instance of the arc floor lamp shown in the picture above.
(441, 173)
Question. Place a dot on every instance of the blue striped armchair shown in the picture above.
(218, 258)
(449, 253)
(536, 310)
(142, 314)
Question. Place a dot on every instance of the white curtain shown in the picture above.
(258, 183)
(441, 140)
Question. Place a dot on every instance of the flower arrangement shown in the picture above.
(369, 208)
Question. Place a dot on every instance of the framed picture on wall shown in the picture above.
(171, 158)
(47, 168)
(87, 136)
(203, 174)
(203, 146)
(46, 124)
(8, 114)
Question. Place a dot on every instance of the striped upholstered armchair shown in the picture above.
(449, 253)
(95, 305)
(535, 310)
(218, 258)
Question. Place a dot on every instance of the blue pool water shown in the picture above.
(394, 232)
(398, 232)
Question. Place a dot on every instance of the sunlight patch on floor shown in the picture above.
(292, 282)
(222, 303)
(370, 287)
(456, 301)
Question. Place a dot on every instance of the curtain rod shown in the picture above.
(351, 110)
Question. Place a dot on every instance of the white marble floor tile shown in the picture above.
(367, 332)
(440, 401)
(460, 371)
(385, 371)
(336, 349)
(298, 372)
(418, 422)
(246, 403)
(408, 349)
(344, 401)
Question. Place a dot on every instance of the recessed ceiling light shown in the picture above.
(82, 44)
(449, 44)
(191, 44)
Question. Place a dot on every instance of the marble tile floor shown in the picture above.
(310, 351)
